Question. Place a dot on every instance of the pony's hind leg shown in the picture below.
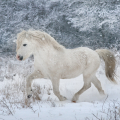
(87, 85)
(97, 84)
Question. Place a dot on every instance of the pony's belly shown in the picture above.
(71, 74)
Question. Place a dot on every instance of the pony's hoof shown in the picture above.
(63, 98)
(102, 93)
(75, 98)
(29, 96)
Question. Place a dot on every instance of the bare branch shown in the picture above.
(104, 102)
(96, 117)
(7, 107)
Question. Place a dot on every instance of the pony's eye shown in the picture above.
(24, 44)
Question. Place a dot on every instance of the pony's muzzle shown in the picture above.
(19, 57)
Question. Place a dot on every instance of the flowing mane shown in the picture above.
(39, 36)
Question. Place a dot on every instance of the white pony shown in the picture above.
(53, 61)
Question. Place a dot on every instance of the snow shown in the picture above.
(68, 111)
(89, 106)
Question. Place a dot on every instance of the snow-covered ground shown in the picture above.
(44, 105)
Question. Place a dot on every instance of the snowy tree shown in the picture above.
(73, 23)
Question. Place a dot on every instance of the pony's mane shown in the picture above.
(39, 36)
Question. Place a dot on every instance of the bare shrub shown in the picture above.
(112, 112)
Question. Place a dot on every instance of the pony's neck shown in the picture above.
(47, 52)
(43, 51)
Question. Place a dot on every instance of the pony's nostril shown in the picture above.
(20, 57)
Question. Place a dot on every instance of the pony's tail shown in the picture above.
(110, 63)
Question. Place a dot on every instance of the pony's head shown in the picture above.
(30, 41)
(25, 46)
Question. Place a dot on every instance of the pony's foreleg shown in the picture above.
(29, 80)
(56, 91)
